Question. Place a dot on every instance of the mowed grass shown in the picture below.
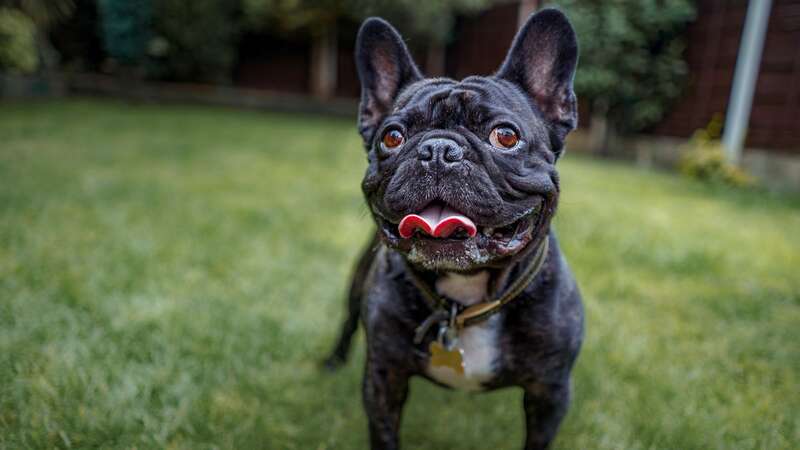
(171, 276)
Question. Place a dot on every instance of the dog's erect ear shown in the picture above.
(384, 68)
(542, 61)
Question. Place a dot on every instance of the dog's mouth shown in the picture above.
(441, 231)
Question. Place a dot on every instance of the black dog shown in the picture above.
(465, 283)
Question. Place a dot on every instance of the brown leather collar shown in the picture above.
(443, 308)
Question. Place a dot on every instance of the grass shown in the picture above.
(170, 276)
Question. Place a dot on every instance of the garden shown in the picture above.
(171, 276)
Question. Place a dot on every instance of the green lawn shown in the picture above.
(170, 276)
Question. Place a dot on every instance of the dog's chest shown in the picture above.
(478, 342)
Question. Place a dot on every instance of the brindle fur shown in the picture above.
(540, 331)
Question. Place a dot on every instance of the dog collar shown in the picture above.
(447, 310)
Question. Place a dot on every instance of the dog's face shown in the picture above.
(462, 174)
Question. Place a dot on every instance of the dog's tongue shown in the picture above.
(438, 221)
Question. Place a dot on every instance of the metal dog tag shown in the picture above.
(445, 351)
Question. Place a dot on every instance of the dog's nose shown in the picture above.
(440, 149)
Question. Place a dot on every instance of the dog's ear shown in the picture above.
(542, 62)
(384, 68)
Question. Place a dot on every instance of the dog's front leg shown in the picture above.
(385, 392)
(545, 407)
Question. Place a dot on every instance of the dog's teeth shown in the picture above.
(488, 231)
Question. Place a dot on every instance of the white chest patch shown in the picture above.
(478, 342)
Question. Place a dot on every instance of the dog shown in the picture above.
(464, 283)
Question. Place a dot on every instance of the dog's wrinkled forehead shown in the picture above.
(446, 103)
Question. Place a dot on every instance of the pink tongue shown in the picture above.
(437, 221)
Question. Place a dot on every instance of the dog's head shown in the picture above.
(462, 174)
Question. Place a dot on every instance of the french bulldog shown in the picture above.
(464, 283)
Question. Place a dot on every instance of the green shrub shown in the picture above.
(632, 62)
(125, 29)
(17, 42)
(194, 40)
(703, 158)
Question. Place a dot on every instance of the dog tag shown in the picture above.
(441, 357)
(445, 351)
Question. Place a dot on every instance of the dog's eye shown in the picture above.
(503, 137)
(393, 139)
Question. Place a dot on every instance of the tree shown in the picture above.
(44, 14)
(17, 42)
(187, 40)
(194, 39)
(631, 65)
(125, 27)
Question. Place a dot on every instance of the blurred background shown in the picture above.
(180, 208)
(652, 73)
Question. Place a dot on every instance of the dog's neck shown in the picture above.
(465, 289)
(482, 285)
